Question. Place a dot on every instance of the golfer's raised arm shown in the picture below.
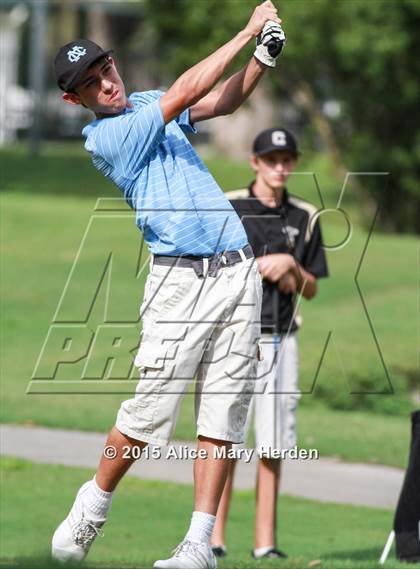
(195, 83)
(230, 95)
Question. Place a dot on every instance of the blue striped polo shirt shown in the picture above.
(179, 207)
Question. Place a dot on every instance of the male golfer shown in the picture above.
(201, 309)
(286, 241)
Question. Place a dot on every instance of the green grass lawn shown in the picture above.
(148, 519)
(65, 168)
(48, 208)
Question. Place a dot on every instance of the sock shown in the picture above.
(201, 527)
(220, 546)
(97, 501)
(260, 551)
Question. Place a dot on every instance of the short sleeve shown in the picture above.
(315, 261)
(184, 122)
(126, 142)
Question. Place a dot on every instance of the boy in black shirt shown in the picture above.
(286, 239)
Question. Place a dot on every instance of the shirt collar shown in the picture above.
(259, 206)
(131, 98)
(96, 121)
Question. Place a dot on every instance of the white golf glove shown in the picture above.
(270, 43)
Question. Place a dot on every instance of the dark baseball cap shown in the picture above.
(73, 59)
(275, 139)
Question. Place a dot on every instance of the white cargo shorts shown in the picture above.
(206, 328)
(276, 395)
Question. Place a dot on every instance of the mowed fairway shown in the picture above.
(48, 210)
(148, 519)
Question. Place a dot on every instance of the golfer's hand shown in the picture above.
(274, 267)
(262, 13)
(288, 283)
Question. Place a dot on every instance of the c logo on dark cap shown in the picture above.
(278, 138)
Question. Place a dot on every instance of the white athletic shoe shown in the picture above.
(189, 555)
(74, 536)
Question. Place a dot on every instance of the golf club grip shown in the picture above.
(273, 45)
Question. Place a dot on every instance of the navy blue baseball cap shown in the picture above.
(275, 139)
(73, 59)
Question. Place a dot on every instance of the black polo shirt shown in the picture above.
(282, 229)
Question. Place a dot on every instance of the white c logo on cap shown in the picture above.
(76, 53)
(278, 138)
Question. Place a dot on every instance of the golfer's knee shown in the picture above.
(272, 464)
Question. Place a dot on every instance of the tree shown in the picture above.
(364, 55)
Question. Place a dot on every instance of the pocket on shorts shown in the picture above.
(162, 294)
(150, 356)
